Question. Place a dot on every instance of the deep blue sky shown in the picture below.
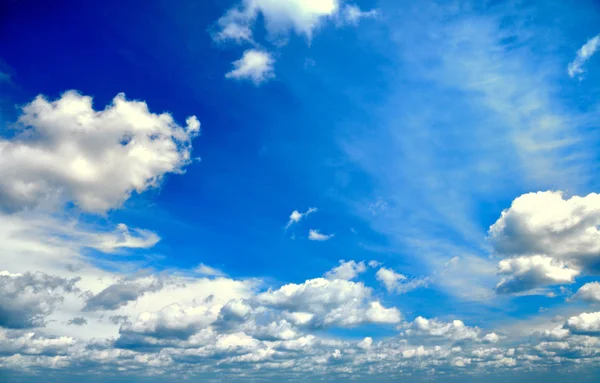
(410, 130)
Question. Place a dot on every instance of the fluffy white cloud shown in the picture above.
(549, 238)
(296, 216)
(255, 65)
(455, 330)
(590, 292)
(584, 323)
(321, 302)
(398, 283)
(64, 150)
(315, 235)
(528, 272)
(346, 270)
(584, 53)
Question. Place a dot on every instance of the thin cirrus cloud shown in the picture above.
(584, 53)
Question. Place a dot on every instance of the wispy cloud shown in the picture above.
(208, 271)
(584, 53)
(481, 124)
(296, 216)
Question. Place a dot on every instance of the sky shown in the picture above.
(299, 190)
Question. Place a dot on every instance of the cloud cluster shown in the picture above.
(27, 299)
(303, 17)
(547, 239)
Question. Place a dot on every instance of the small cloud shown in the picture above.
(352, 14)
(584, 53)
(296, 216)
(314, 235)
(77, 321)
(208, 271)
(255, 65)
(346, 270)
(373, 264)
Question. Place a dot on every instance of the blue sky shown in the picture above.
(299, 190)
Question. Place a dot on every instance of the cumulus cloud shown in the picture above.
(584, 53)
(584, 323)
(27, 299)
(315, 235)
(296, 216)
(346, 270)
(528, 272)
(455, 330)
(549, 239)
(323, 303)
(121, 293)
(590, 292)
(300, 15)
(64, 150)
(398, 283)
(29, 343)
(255, 65)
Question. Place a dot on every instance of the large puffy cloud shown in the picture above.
(26, 300)
(549, 239)
(64, 150)
(528, 272)
(584, 323)
(322, 302)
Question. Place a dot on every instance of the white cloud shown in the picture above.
(455, 330)
(398, 283)
(346, 270)
(584, 53)
(255, 65)
(590, 292)
(529, 272)
(321, 302)
(296, 216)
(549, 239)
(65, 151)
(584, 323)
(315, 235)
